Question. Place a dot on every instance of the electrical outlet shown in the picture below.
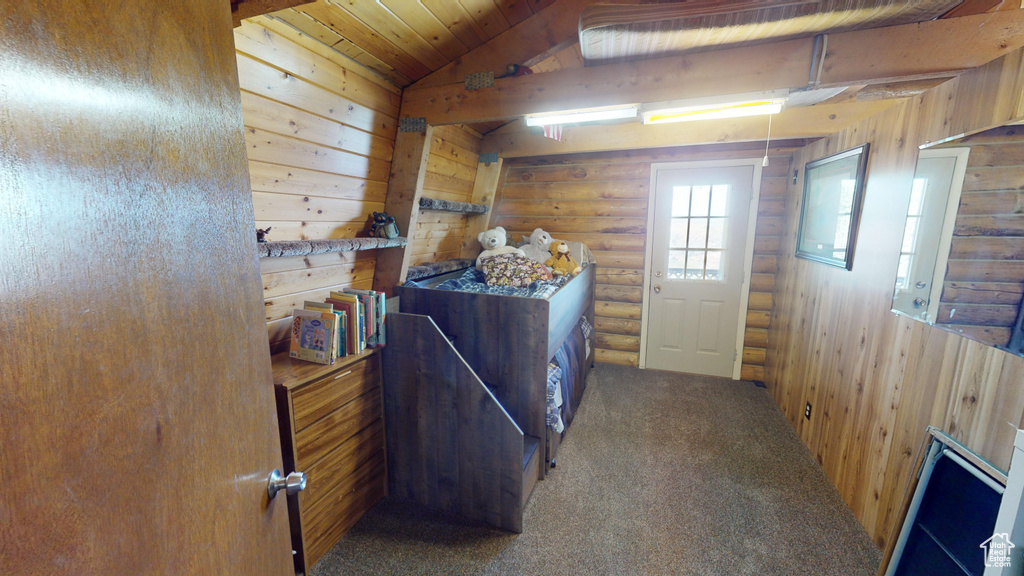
(807, 411)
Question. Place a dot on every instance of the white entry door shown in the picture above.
(697, 268)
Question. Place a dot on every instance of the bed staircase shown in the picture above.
(451, 445)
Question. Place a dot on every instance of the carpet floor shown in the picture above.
(660, 473)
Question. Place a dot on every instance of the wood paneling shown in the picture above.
(404, 41)
(601, 199)
(320, 133)
(450, 175)
(876, 380)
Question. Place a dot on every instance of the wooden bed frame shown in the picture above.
(455, 443)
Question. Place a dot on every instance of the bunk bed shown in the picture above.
(466, 393)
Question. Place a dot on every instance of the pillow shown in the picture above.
(511, 269)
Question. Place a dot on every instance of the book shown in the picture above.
(327, 308)
(312, 331)
(350, 304)
(377, 314)
(368, 299)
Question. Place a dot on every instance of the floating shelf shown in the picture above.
(452, 206)
(305, 247)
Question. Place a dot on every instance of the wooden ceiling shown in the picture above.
(430, 44)
(407, 40)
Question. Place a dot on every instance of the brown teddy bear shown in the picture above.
(560, 262)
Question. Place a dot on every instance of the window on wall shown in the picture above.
(697, 243)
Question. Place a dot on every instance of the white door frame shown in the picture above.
(748, 250)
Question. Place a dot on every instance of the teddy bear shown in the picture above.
(493, 242)
(536, 247)
(560, 262)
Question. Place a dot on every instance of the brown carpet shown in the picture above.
(661, 473)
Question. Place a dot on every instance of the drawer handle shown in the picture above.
(342, 374)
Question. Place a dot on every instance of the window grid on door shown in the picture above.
(697, 235)
(909, 249)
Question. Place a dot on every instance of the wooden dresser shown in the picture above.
(332, 429)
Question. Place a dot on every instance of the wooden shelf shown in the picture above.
(306, 247)
(452, 206)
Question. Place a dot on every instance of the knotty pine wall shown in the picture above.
(985, 277)
(876, 380)
(320, 134)
(601, 199)
(451, 172)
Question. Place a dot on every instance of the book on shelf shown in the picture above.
(337, 340)
(376, 315)
(350, 304)
(313, 333)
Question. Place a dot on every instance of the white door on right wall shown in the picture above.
(698, 253)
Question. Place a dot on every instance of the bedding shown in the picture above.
(565, 374)
(473, 280)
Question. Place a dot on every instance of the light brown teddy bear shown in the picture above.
(560, 262)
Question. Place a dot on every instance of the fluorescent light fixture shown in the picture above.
(733, 106)
(585, 115)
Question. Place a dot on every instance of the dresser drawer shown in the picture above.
(324, 435)
(319, 398)
(332, 516)
(325, 477)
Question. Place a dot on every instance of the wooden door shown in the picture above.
(697, 268)
(137, 421)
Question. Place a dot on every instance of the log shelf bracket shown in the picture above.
(305, 247)
(452, 206)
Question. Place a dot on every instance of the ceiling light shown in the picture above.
(717, 107)
(585, 115)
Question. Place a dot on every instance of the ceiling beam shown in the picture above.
(517, 140)
(242, 9)
(535, 38)
(935, 49)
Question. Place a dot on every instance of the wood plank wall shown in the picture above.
(876, 380)
(985, 278)
(451, 172)
(601, 199)
(320, 135)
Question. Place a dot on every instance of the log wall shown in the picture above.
(320, 136)
(601, 199)
(985, 278)
(876, 380)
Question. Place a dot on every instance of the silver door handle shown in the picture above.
(919, 302)
(291, 484)
(657, 288)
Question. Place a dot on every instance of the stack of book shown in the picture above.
(347, 322)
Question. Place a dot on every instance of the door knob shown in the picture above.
(291, 484)
(920, 285)
(657, 288)
(919, 302)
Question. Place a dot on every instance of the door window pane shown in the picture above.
(718, 199)
(701, 201)
(680, 201)
(678, 234)
(716, 233)
(695, 264)
(714, 266)
(698, 233)
(676, 264)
